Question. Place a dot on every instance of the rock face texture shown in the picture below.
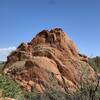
(51, 59)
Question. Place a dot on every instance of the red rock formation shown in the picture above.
(49, 53)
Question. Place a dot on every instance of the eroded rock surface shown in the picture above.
(51, 59)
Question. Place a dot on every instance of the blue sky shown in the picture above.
(20, 20)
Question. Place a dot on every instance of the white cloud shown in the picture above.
(7, 49)
(4, 52)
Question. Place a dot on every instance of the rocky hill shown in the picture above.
(95, 63)
(51, 60)
(1, 66)
(1, 63)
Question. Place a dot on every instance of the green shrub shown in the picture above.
(10, 88)
(34, 95)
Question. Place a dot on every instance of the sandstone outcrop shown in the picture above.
(50, 58)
